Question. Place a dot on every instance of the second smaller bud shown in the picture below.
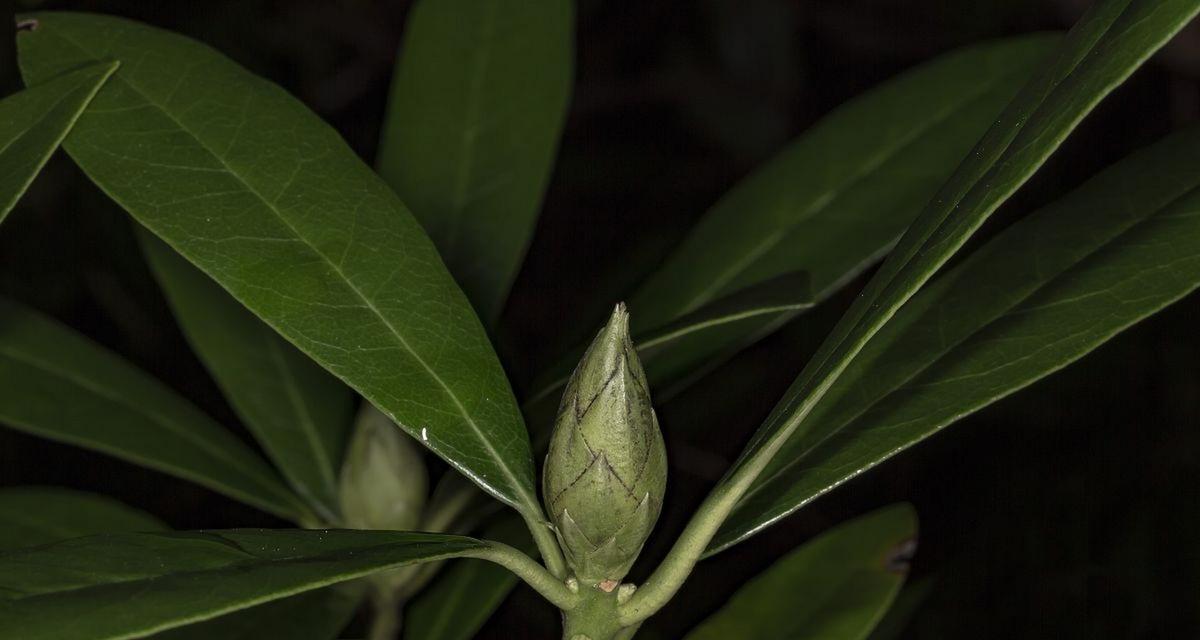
(384, 484)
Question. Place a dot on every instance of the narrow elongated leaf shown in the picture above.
(682, 344)
(251, 187)
(1109, 42)
(34, 122)
(314, 615)
(297, 411)
(460, 600)
(477, 105)
(1035, 298)
(57, 384)
(31, 516)
(836, 587)
(834, 200)
(129, 585)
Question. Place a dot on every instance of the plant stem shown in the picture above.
(535, 575)
(547, 544)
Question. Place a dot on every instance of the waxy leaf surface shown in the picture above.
(247, 184)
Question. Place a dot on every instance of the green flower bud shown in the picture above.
(384, 484)
(606, 470)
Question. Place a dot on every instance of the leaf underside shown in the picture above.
(82, 588)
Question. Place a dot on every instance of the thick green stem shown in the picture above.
(551, 587)
(595, 617)
(547, 544)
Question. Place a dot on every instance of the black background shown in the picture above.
(1068, 511)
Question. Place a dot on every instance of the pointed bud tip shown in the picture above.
(617, 328)
(620, 317)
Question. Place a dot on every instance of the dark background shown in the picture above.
(1068, 511)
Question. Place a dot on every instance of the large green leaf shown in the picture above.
(313, 615)
(1038, 296)
(57, 384)
(834, 200)
(31, 516)
(299, 412)
(250, 186)
(460, 600)
(1109, 42)
(129, 585)
(477, 104)
(836, 587)
(34, 122)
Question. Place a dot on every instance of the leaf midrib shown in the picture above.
(270, 206)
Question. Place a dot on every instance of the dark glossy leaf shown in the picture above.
(250, 186)
(834, 200)
(57, 384)
(1109, 42)
(836, 587)
(460, 600)
(34, 122)
(129, 585)
(314, 615)
(295, 409)
(1035, 298)
(31, 516)
(477, 105)
(673, 349)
